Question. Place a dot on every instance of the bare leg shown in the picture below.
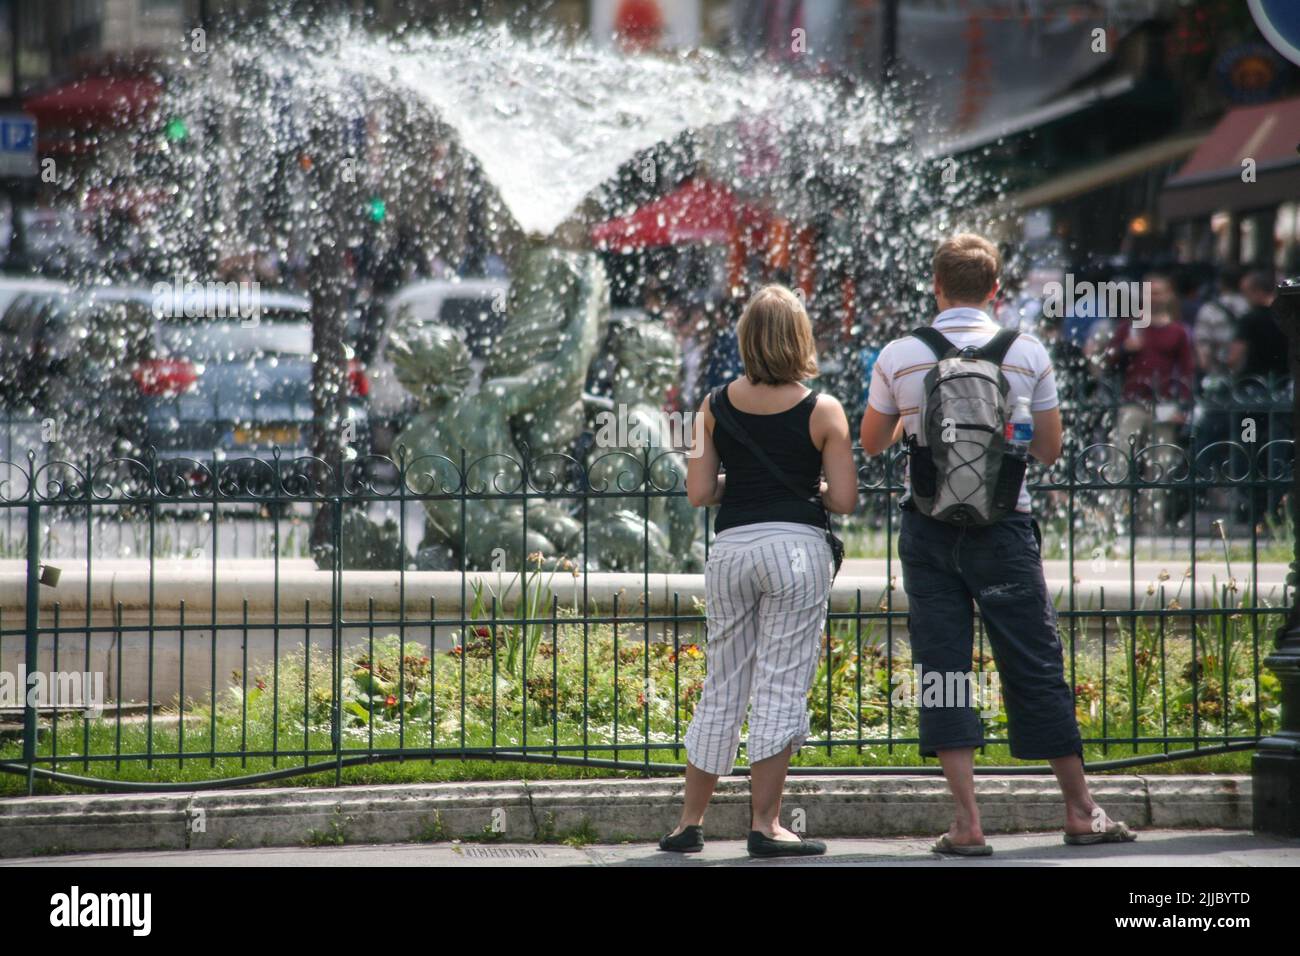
(959, 771)
(699, 790)
(1079, 805)
(766, 783)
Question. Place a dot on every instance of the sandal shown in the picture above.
(1116, 831)
(945, 845)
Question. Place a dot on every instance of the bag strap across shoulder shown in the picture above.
(722, 414)
(938, 342)
(996, 348)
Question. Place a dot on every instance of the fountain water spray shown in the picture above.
(324, 155)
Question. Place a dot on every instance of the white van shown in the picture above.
(476, 306)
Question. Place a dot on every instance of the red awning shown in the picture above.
(1268, 134)
(95, 100)
(698, 211)
(1211, 179)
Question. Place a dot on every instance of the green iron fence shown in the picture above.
(1168, 565)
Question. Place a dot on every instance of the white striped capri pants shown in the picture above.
(766, 589)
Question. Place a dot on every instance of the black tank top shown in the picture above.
(752, 493)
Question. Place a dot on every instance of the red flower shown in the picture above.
(482, 631)
(390, 701)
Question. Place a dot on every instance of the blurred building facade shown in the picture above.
(1088, 109)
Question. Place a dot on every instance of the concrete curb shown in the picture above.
(131, 582)
(603, 810)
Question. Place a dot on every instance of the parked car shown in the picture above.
(219, 380)
(191, 374)
(65, 367)
(26, 339)
(476, 306)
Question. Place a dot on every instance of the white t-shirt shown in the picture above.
(899, 373)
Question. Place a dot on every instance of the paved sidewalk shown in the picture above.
(608, 811)
(1174, 848)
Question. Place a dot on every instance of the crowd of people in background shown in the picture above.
(1197, 367)
(1203, 362)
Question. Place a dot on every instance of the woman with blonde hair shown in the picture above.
(788, 461)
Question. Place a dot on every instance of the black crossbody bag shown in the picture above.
(723, 416)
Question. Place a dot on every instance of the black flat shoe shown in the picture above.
(762, 845)
(690, 840)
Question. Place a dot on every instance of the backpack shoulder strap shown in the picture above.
(936, 340)
(995, 349)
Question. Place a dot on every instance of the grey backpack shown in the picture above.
(957, 463)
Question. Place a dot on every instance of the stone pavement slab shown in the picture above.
(1171, 848)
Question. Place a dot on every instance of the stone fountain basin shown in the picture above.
(247, 590)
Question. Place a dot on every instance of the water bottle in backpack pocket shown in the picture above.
(1017, 437)
(967, 460)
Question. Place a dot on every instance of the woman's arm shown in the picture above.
(830, 428)
(704, 486)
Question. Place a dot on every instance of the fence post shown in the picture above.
(33, 633)
(1275, 770)
(336, 607)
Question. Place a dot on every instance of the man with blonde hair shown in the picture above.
(976, 554)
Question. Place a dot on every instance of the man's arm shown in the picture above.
(881, 423)
(1046, 409)
(1046, 446)
(879, 431)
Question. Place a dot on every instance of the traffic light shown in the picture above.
(378, 209)
(176, 130)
